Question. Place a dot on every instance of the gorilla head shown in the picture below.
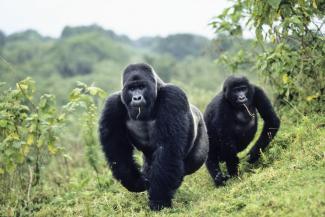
(139, 91)
(238, 91)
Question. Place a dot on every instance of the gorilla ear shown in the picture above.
(224, 90)
(252, 89)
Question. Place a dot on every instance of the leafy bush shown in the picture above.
(27, 129)
(30, 132)
(83, 97)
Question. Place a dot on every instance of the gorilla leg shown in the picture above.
(215, 172)
(198, 154)
(213, 165)
(166, 175)
(147, 162)
(232, 162)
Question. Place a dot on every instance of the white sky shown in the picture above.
(134, 18)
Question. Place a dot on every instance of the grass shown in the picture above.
(289, 180)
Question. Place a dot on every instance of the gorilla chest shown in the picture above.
(244, 122)
(244, 130)
(140, 132)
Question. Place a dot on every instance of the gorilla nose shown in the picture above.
(242, 99)
(137, 98)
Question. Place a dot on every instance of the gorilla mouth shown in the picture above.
(137, 104)
(136, 111)
(139, 112)
(248, 111)
(242, 101)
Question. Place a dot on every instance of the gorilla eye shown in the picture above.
(240, 89)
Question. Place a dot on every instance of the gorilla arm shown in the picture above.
(118, 151)
(271, 124)
(171, 136)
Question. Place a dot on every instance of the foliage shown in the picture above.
(182, 45)
(78, 30)
(30, 132)
(294, 61)
(2, 40)
(78, 54)
(83, 97)
(179, 45)
(26, 128)
(92, 54)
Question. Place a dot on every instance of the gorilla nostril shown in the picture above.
(137, 98)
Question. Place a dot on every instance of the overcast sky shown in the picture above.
(134, 18)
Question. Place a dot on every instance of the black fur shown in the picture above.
(164, 129)
(231, 127)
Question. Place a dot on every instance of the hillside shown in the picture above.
(287, 181)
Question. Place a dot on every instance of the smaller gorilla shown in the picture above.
(157, 119)
(231, 120)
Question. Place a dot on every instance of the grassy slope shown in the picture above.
(288, 181)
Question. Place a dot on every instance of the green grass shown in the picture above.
(289, 180)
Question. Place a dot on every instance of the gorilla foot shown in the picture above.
(253, 158)
(219, 179)
(159, 205)
(140, 185)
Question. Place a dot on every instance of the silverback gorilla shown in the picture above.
(231, 120)
(157, 119)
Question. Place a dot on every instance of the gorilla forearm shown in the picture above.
(269, 131)
(214, 169)
(171, 138)
(271, 124)
(118, 152)
(124, 167)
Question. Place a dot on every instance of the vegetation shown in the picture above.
(52, 89)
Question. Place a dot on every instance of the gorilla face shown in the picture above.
(238, 91)
(139, 92)
(239, 94)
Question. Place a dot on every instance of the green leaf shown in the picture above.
(3, 123)
(96, 91)
(30, 139)
(93, 90)
(81, 85)
(258, 33)
(274, 3)
(17, 144)
(52, 149)
(75, 94)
